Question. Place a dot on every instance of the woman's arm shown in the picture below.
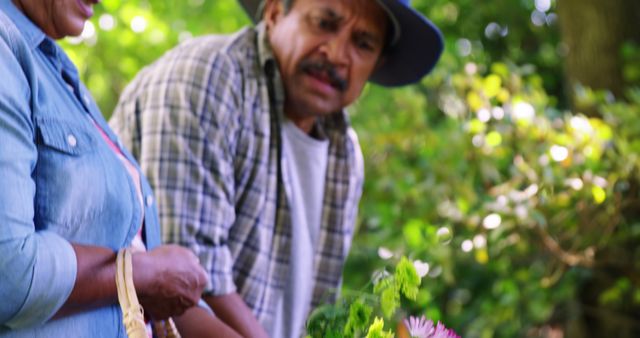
(168, 280)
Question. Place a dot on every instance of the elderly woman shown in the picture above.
(70, 195)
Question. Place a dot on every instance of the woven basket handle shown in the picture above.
(132, 311)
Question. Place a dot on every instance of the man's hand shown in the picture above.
(235, 313)
(168, 280)
(200, 323)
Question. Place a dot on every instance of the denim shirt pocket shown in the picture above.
(69, 191)
(64, 136)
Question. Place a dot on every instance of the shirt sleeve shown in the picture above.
(180, 119)
(38, 267)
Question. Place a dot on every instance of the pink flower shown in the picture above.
(420, 327)
(443, 332)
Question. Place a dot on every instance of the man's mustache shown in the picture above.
(323, 66)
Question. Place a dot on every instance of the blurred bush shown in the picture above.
(513, 203)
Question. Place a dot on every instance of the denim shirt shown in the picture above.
(60, 183)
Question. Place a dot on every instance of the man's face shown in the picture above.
(326, 51)
(58, 18)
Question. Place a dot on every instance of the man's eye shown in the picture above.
(326, 24)
(364, 45)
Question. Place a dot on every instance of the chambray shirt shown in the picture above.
(204, 121)
(60, 183)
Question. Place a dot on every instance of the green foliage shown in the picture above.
(535, 197)
(376, 330)
(384, 297)
(117, 51)
(631, 58)
(359, 315)
(329, 320)
(406, 279)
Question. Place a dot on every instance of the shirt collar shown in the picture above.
(265, 53)
(269, 65)
(36, 38)
(32, 33)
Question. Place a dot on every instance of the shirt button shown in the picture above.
(149, 200)
(71, 140)
(85, 98)
(119, 143)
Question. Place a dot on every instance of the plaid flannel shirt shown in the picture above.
(204, 123)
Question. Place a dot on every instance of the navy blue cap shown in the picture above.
(415, 47)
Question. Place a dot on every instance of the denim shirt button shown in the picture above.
(71, 140)
(149, 200)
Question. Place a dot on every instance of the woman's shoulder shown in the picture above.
(15, 53)
(15, 61)
(10, 37)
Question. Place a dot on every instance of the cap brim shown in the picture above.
(416, 51)
(414, 54)
(251, 7)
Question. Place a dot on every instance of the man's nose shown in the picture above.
(336, 49)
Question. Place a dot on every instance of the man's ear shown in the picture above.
(273, 11)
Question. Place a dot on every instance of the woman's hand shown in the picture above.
(168, 280)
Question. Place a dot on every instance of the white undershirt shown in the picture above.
(305, 162)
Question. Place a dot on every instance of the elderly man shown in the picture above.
(246, 143)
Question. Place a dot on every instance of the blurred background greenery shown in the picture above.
(511, 172)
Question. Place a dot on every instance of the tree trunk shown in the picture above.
(593, 32)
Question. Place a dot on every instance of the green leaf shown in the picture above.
(389, 301)
(413, 233)
(407, 279)
(376, 330)
(359, 316)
